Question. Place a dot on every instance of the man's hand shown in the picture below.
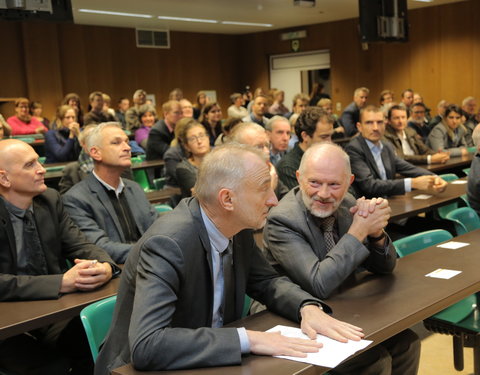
(440, 158)
(423, 182)
(439, 184)
(365, 207)
(372, 224)
(464, 152)
(314, 321)
(85, 275)
(273, 343)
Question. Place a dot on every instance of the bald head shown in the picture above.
(323, 151)
(253, 135)
(10, 149)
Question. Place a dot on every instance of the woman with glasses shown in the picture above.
(449, 135)
(195, 141)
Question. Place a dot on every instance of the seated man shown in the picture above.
(318, 236)
(178, 287)
(36, 238)
(97, 115)
(418, 121)
(259, 109)
(312, 126)
(375, 164)
(473, 190)
(351, 113)
(407, 145)
(112, 212)
(132, 118)
(278, 131)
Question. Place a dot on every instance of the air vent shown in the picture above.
(153, 38)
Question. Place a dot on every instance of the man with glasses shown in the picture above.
(418, 121)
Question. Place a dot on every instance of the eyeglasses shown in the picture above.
(196, 138)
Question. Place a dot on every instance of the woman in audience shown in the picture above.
(449, 135)
(148, 118)
(211, 118)
(23, 123)
(194, 140)
(36, 109)
(61, 144)
(278, 108)
(200, 102)
(73, 100)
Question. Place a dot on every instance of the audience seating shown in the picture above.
(444, 210)
(459, 320)
(96, 319)
(465, 220)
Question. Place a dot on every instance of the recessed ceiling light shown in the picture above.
(94, 11)
(186, 19)
(246, 23)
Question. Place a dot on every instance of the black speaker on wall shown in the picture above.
(383, 21)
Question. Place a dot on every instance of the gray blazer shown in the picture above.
(163, 315)
(368, 181)
(90, 208)
(295, 247)
(438, 139)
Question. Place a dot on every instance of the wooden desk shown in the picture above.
(405, 206)
(382, 305)
(453, 165)
(22, 316)
(162, 196)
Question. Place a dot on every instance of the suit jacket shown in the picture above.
(159, 140)
(419, 148)
(368, 181)
(473, 190)
(294, 245)
(60, 238)
(89, 206)
(349, 118)
(438, 139)
(165, 299)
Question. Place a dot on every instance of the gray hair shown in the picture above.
(95, 136)
(466, 100)
(239, 131)
(359, 90)
(273, 120)
(223, 167)
(476, 135)
(325, 148)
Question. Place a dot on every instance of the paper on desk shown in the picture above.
(422, 196)
(442, 273)
(459, 182)
(332, 352)
(453, 245)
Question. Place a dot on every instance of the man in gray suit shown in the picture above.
(319, 235)
(112, 212)
(189, 273)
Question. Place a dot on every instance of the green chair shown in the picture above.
(465, 200)
(246, 306)
(159, 183)
(96, 319)
(162, 208)
(466, 171)
(444, 210)
(452, 319)
(465, 219)
(140, 176)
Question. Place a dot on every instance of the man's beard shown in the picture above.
(318, 212)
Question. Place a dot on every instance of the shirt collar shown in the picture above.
(217, 240)
(373, 147)
(14, 210)
(117, 191)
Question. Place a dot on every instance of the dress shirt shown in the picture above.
(117, 191)
(377, 155)
(407, 150)
(219, 243)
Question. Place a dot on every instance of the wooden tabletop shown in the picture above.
(383, 305)
(452, 165)
(406, 205)
(22, 316)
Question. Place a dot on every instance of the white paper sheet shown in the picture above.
(422, 196)
(332, 352)
(442, 273)
(459, 182)
(453, 245)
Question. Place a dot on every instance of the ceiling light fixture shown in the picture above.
(186, 19)
(246, 23)
(94, 11)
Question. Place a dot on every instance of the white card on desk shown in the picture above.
(422, 196)
(330, 355)
(459, 182)
(453, 245)
(442, 273)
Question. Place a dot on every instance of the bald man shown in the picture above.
(36, 238)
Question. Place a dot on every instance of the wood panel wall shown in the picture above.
(44, 61)
(441, 60)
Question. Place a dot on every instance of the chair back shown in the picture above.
(448, 177)
(420, 241)
(465, 219)
(96, 319)
(161, 208)
(141, 178)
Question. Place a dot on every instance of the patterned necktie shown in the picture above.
(327, 228)
(228, 306)
(36, 262)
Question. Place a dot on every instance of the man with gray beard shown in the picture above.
(319, 235)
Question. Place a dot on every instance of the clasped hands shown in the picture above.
(85, 275)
